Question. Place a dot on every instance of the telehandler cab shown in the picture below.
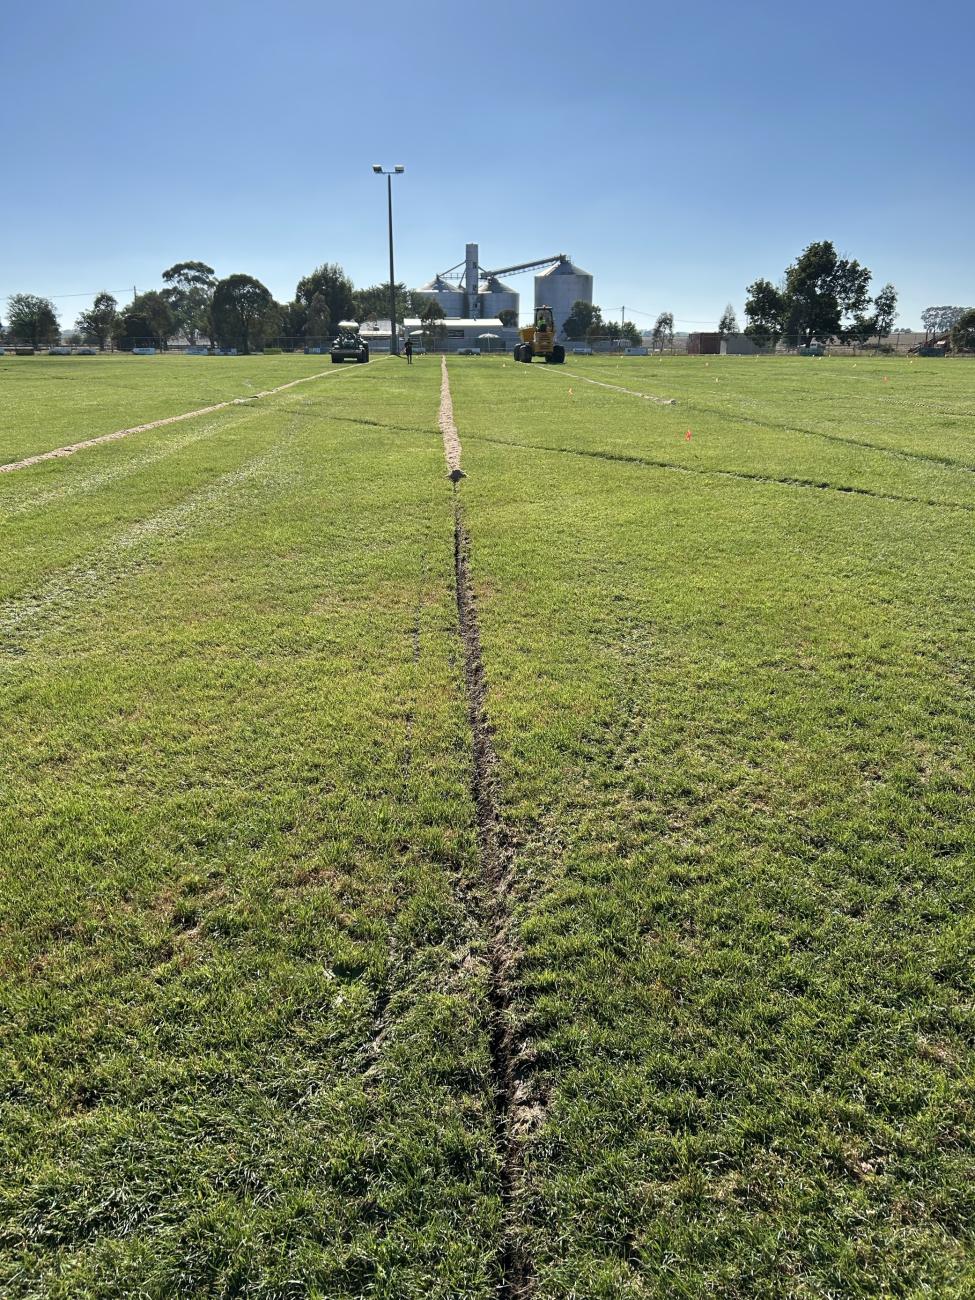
(538, 340)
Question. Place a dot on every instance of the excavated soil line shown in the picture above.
(451, 442)
(495, 861)
(73, 447)
(496, 855)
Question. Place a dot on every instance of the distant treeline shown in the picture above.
(198, 308)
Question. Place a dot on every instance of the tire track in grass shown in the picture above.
(743, 476)
(496, 861)
(60, 452)
(28, 617)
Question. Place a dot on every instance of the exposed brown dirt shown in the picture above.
(514, 1114)
(496, 858)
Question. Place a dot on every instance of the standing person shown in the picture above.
(409, 351)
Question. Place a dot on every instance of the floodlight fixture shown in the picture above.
(389, 174)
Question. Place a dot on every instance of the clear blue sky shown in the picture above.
(676, 151)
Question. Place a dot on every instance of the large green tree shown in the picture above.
(96, 324)
(582, 320)
(189, 292)
(331, 282)
(764, 310)
(626, 332)
(32, 320)
(146, 322)
(243, 312)
(319, 322)
(294, 318)
(373, 303)
(823, 297)
(941, 320)
(963, 332)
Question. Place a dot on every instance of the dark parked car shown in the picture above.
(349, 346)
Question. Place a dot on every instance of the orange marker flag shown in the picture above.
(687, 436)
(570, 392)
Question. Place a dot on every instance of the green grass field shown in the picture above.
(51, 401)
(274, 1027)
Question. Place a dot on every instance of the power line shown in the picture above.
(678, 320)
(58, 296)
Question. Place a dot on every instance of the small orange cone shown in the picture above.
(687, 436)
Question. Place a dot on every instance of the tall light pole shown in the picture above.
(389, 174)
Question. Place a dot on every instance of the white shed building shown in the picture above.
(463, 332)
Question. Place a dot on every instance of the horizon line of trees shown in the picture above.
(821, 297)
(235, 312)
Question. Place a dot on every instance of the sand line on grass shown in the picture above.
(71, 448)
(95, 479)
(513, 1115)
(451, 440)
(631, 392)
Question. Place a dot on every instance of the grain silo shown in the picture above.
(559, 287)
(449, 297)
(496, 297)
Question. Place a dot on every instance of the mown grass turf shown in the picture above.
(790, 426)
(735, 725)
(47, 402)
(730, 681)
(244, 1045)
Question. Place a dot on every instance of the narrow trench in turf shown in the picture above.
(495, 861)
(495, 855)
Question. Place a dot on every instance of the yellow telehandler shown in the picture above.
(538, 340)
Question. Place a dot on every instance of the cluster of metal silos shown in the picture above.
(560, 287)
(494, 297)
(449, 296)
